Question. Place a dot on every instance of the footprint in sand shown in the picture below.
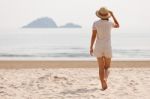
(59, 78)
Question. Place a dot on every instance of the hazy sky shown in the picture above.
(132, 14)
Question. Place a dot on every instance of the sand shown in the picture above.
(73, 83)
(12, 64)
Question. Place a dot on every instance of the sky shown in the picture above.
(133, 15)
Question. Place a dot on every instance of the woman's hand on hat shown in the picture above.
(111, 12)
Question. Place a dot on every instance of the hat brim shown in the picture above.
(103, 17)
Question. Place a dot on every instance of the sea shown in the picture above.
(68, 44)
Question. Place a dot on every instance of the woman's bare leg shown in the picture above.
(102, 72)
(107, 66)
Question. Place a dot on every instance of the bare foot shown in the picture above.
(104, 85)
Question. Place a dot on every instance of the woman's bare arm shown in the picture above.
(116, 25)
(94, 32)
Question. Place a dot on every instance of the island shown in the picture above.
(70, 25)
(46, 22)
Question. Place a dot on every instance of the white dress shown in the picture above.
(103, 38)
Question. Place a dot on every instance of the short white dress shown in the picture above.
(103, 38)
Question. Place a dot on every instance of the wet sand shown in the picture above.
(70, 64)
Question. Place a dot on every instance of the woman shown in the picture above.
(102, 50)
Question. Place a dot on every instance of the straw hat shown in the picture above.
(103, 13)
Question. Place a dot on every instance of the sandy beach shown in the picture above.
(73, 80)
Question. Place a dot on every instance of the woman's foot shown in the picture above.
(104, 85)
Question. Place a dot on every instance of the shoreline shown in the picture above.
(28, 64)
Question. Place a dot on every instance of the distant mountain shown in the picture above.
(44, 22)
(70, 25)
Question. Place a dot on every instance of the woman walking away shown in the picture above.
(103, 51)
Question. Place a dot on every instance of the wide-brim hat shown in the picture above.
(103, 13)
